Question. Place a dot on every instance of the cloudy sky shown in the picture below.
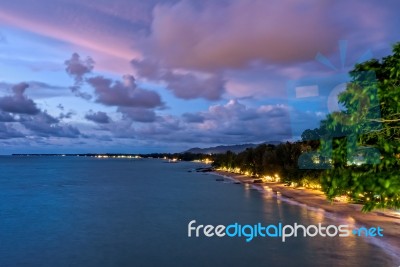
(166, 75)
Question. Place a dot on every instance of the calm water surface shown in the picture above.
(61, 211)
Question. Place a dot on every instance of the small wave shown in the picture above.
(390, 250)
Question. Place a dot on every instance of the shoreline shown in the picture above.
(351, 213)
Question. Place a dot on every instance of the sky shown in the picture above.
(133, 76)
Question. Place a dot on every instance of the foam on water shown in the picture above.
(390, 250)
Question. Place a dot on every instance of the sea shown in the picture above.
(84, 211)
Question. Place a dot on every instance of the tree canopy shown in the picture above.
(368, 127)
(358, 149)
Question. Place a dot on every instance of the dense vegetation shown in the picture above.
(272, 162)
(357, 152)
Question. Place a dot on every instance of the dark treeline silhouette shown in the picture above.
(272, 161)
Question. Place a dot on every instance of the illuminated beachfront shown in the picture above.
(123, 121)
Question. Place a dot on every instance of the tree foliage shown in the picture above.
(271, 160)
(371, 128)
(360, 145)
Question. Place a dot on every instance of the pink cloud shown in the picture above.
(110, 45)
(233, 35)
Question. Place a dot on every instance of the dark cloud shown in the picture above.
(45, 125)
(78, 68)
(42, 85)
(187, 85)
(138, 114)
(18, 103)
(104, 138)
(34, 85)
(97, 138)
(77, 91)
(123, 94)
(39, 89)
(193, 118)
(23, 111)
(6, 117)
(121, 129)
(43, 90)
(148, 68)
(98, 117)
(231, 123)
(166, 126)
(8, 132)
(67, 115)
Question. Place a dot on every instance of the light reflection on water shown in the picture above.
(105, 212)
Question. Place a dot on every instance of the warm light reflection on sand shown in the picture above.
(350, 221)
(267, 192)
(246, 190)
(279, 202)
(320, 215)
(278, 196)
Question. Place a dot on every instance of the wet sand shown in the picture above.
(388, 220)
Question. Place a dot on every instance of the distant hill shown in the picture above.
(224, 149)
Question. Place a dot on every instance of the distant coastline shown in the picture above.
(79, 155)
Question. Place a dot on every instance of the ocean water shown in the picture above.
(64, 211)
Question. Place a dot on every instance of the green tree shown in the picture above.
(372, 121)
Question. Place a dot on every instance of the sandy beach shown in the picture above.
(315, 199)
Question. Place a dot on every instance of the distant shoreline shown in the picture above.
(74, 155)
(351, 213)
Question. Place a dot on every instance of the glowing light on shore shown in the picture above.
(343, 199)
(396, 213)
(267, 188)
(310, 184)
(102, 156)
(269, 178)
(209, 161)
(315, 159)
